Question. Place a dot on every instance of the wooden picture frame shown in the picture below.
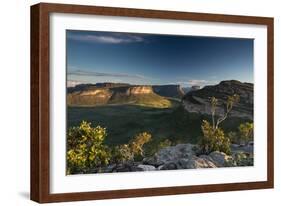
(40, 106)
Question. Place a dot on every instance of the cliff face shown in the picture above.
(198, 101)
(93, 96)
(174, 91)
(110, 93)
(139, 90)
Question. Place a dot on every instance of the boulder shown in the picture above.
(136, 169)
(109, 168)
(133, 167)
(221, 159)
(150, 161)
(168, 166)
(170, 155)
(123, 168)
(146, 168)
(246, 148)
(195, 163)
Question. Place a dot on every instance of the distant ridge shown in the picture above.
(174, 91)
(114, 94)
(198, 100)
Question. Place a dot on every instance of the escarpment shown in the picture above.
(199, 100)
(112, 94)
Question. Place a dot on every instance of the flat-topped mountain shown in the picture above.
(174, 91)
(114, 94)
(199, 100)
(81, 87)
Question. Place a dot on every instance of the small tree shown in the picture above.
(137, 143)
(85, 148)
(214, 138)
(231, 100)
(132, 151)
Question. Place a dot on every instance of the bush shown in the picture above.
(136, 144)
(213, 139)
(246, 132)
(132, 151)
(244, 135)
(122, 154)
(86, 149)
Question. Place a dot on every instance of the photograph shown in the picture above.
(139, 102)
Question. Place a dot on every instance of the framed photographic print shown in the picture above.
(132, 102)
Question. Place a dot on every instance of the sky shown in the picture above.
(156, 59)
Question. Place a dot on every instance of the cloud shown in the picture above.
(112, 38)
(198, 82)
(102, 74)
(194, 82)
(180, 83)
(73, 83)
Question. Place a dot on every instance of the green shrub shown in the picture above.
(244, 134)
(213, 139)
(132, 151)
(122, 154)
(86, 149)
(136, 144)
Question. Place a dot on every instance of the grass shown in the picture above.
(146, 100)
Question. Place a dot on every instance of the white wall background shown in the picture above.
(15, 99)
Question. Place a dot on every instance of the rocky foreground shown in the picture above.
(184, 156)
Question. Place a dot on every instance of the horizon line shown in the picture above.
(178, 84)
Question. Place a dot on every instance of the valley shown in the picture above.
(124, 121)
(125, 110)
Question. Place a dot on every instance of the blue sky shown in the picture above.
(156, 59)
